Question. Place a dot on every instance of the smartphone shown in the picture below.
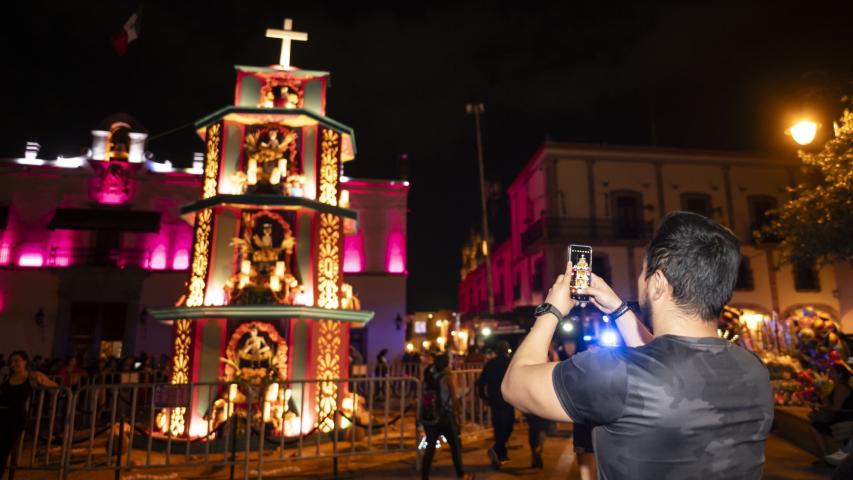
(581, 258)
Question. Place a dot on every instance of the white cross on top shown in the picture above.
(287, 35)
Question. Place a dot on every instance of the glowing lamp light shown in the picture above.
(587, 338)
(181, 260)
(410, 347)
(32, 259)
(214, 296)
(605, 318)
(567, 327)
(158, 258)
(426, 344)
(752, 320)
(609, 338)
(353, 254)
(803, 132)
(486, 331)
(396, 257)
(304, 298)
(198, 428)
(5, 254)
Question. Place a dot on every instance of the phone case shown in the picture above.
(581, 258)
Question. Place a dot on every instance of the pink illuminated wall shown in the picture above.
(395, 257)
(353, 253)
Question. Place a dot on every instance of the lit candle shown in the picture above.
(246, 267)
(275, 176)
(244, 280)
(279, 269)
(282, 166)
(275, 284)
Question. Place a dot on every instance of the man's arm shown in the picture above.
(528, 383)
(632, 329)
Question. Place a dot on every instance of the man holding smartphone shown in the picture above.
(682, 403)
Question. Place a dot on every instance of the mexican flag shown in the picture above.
(128, 33)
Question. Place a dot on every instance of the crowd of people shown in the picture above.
(71, 372)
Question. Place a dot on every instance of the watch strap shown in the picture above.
(548, 308)
(619, 311)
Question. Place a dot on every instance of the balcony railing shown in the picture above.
(582, 230)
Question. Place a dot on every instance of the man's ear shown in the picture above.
(658, 285)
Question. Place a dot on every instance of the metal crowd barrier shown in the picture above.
(116, 428)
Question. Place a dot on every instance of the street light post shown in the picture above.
(477, 109)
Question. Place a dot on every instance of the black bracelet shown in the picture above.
(619, 311)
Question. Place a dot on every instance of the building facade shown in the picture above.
(612, 198)
(89, 243)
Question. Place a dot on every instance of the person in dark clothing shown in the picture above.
(443, 417)
(503, 414)
(15, 395)
(679, 403)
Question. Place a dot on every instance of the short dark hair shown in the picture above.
(699, 258)
(441, 361)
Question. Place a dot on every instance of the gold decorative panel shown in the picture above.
(328, 369)
(211, 162)
(329, 261)
(330, 151)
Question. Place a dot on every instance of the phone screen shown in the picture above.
(581, 258)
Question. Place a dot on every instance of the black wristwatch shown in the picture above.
(619, 311)
(548, 308)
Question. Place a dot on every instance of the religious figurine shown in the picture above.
(255, 347)
(348, 300)
(264, 275)
(271, 160)
(582, 273)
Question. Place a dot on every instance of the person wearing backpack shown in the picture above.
(439, 414)
(503, 414)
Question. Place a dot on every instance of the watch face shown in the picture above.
(541, 309)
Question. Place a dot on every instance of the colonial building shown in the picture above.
(88, 243)
(612, 198)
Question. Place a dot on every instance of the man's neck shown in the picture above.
(676, 322)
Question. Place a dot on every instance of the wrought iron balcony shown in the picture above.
(581, 230)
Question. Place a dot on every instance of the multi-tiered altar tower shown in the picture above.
(266, 301)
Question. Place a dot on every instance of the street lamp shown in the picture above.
(803, 132)
(477, 109)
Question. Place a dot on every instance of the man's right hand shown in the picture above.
(602, 296)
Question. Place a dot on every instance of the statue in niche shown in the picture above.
(265, 252)
(271, 154)
(282, 94)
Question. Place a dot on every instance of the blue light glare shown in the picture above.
(587, 338)
(609, 338)
(605, 318)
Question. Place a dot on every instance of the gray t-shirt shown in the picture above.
(675, 408)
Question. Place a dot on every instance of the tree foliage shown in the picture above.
(817, 223)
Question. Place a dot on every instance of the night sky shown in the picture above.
(669, 74)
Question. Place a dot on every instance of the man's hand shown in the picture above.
(560, 295)
(602, 295)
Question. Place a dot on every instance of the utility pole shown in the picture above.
(477, 109)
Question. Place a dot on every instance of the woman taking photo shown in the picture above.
(15, 393)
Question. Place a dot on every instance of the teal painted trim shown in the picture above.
(298, 73)
(267, 201)
(323, 120)
(259, 312)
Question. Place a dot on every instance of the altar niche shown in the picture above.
(267, 273)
